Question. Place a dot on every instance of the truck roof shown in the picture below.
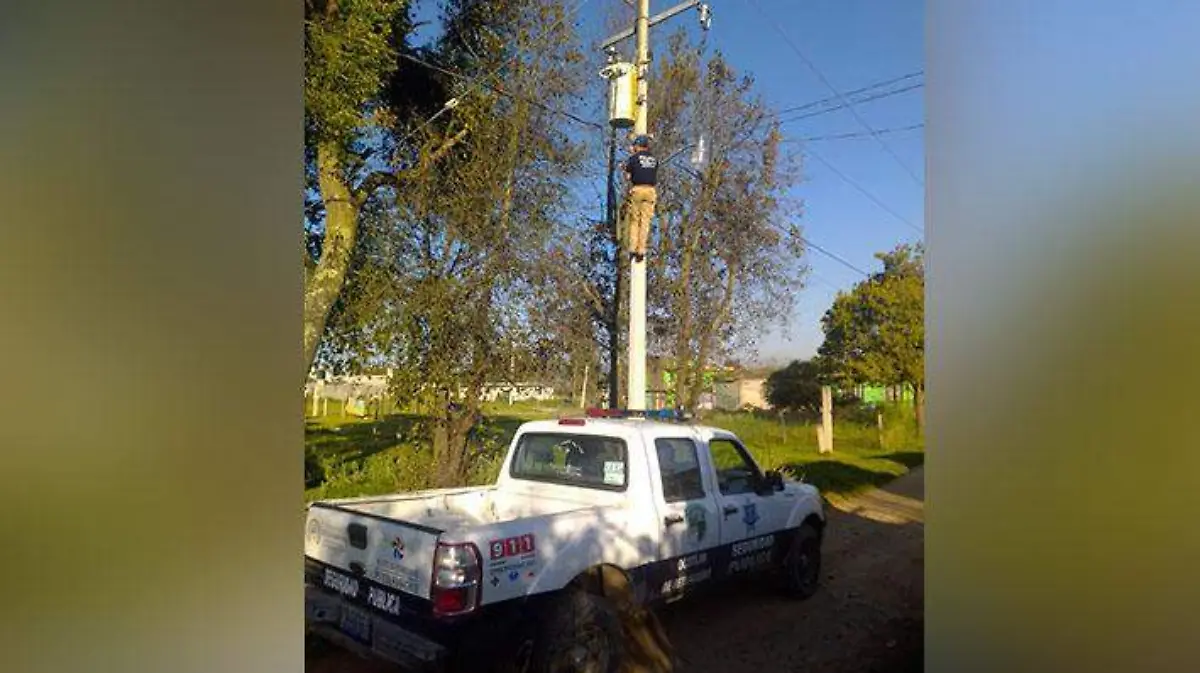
(621, 427)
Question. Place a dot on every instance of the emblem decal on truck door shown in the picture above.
(697, 521)
(398, 549)
(750, 517)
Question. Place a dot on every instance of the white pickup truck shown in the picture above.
(588, 516)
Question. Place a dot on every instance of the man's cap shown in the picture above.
(642, 141)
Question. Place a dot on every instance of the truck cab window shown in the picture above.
(735, 472)
(572, 460)
(679, 467)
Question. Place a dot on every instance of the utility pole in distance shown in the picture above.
(637, 268)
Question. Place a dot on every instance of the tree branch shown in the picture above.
(378, 179)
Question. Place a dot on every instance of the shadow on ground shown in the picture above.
(357, 440)
(832, 476)
(909, 459)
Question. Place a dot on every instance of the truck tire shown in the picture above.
(802, 565)
(579, 632)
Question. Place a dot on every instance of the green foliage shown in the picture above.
(347, 457)
(899, 426)
(450, 290)
(400, 468)
(796, 387)
(876, 332)
(349, 52)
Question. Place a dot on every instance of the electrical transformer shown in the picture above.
(622, 94)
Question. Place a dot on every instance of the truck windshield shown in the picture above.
(589, 461)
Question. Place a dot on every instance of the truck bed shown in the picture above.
(454, 509)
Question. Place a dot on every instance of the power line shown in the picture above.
(824, 281)
(865, 192)
(854, 134)
(876, 85)
(837, 93)
(502, 92)
(833, 256)
(867, 99)
(818, 248)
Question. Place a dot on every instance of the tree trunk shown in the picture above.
(683, 342)
(451, 427)
(690, 229)
(324, 284)
(708, 334)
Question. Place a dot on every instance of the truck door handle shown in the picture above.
(730, 509)
(672, 519)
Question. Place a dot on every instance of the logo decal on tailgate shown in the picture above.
(395, 575)
(343, 584)
(383, 600)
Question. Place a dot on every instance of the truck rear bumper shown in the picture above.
(328, 615)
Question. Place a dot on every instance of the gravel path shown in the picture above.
(868, 616)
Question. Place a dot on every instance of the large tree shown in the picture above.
(450, 282)
(876, 332)
(348, 54)
(727, 258)
(359, 98)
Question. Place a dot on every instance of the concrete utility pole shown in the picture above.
(637, 268)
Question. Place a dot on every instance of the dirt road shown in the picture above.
(867, 617)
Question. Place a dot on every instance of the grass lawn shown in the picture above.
(347, 456)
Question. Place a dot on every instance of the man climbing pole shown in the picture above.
(641, 170)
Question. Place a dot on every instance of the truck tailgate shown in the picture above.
(393, 553)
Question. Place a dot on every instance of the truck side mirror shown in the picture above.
(774, 480)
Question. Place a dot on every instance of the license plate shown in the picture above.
(356, 624)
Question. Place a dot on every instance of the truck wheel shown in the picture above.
(802, 566)
(580, 633)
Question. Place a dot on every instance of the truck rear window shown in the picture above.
(588, 461)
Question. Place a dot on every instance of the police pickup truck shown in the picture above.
(588, 517)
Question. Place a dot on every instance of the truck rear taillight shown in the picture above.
(457, 572)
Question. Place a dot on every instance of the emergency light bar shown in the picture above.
(653, 414)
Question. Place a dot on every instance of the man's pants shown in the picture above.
(639, 209)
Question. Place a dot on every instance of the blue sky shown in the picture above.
(853, 43)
